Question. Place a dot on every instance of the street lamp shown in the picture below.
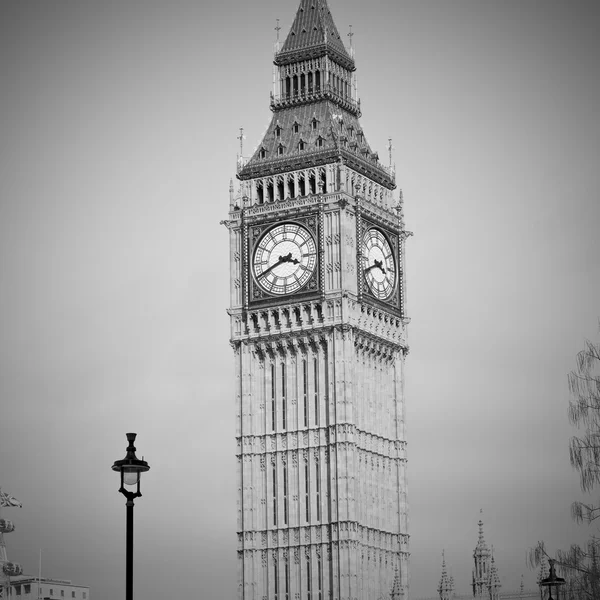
(131, 469)
(552, 580)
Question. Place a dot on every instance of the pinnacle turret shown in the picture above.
(446, 585)
(481, 569)
(493, 581)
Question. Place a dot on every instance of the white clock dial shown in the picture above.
(379, 264)
(284, 259)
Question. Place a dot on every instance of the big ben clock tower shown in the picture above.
(318, 329)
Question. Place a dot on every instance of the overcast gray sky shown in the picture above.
(118, 125)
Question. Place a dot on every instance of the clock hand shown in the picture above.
(281, 260)
(378, 264)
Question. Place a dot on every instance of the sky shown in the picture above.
(118, 139)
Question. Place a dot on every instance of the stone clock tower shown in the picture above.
(318, 329)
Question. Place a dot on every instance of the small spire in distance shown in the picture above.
(522, 589)
(241, 137)
(351, 35)
(277, 29)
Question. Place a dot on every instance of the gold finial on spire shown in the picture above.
(390, 148)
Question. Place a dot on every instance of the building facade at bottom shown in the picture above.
(30, 587)
(318, 330)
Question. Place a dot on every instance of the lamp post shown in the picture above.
(552, 580)
(131, 469)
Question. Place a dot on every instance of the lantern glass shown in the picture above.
(131, 476)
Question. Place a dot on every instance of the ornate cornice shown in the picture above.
(316, 51)
(275, 166)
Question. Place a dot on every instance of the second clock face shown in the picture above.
(379, 265)
(284, 259)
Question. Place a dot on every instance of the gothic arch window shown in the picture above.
(308, 579)
(262, 153)
(301, 145)
(318, 488)
(273, 412)
(306, 487)
(302, 185)
(280, 150)
(283, 395)
(312, 183)
(320, 142)
(320, 576)
(314, 123)
(305, 390)
(274, 494)
(285, 495)
(278, 131)
(316, 391)
(296, 127)
(287, 580)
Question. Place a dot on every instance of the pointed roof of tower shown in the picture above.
(313, 30)
(446, 585)
(494, 579)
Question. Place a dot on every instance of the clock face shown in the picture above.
(379, 265)
(284, 259)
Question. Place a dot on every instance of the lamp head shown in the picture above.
(131, 467)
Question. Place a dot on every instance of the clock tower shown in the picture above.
(318, 330)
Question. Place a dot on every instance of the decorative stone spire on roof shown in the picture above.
(481, 545)
(446, 585)
(493, 580)
(481, 569)
(522, 588)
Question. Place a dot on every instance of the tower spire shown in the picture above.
(481, 569)
(493, 580)
(446, 585)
